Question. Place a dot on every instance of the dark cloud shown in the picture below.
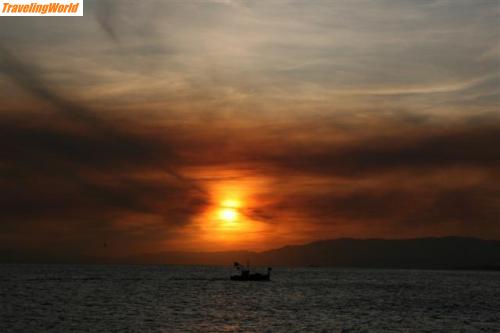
(87, 182)
(84, 187)
(50, 174)
(430, 180)
(71, 172)
(430, 147)
(398, 202)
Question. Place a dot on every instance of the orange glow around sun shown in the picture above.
(228, 222)
(235, 217)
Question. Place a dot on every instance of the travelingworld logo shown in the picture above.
(41, 8)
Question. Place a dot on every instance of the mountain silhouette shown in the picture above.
(418, 253)
(425, 253)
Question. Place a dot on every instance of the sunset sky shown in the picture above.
(149, 126)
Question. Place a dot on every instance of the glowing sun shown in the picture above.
(228, 211)
(228, 214)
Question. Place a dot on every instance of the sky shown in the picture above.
(150, 126)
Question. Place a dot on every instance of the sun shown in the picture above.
(228, 211)
(228, 214)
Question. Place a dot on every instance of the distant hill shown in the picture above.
(428, 253)
(424, 253)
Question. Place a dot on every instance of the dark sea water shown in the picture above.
(65, 298)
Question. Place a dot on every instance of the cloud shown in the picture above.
(72, 172)
(414, 181)
(106, 14)
(374, 153)
(57, 181)
(27, 78)
(362, 121)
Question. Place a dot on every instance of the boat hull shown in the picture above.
(251, 277)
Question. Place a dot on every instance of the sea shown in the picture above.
(104, 298)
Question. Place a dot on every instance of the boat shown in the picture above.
(245, 274)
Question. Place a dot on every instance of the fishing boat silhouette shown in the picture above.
(245, 275)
